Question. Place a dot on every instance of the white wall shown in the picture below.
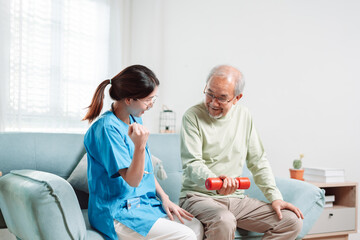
(300, 60)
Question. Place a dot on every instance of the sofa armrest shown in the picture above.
(307, 197)
(40, 205)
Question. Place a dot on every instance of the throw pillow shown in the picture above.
(78, 178)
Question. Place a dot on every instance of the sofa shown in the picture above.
(37, 201)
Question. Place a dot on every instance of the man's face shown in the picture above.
(219, 96)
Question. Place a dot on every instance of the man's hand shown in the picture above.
(278, 205)
(173, 209)
(229, 185)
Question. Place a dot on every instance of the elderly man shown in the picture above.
(218, 138)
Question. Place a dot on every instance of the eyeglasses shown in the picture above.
(147, 103)
(222, 100)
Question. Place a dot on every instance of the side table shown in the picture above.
(337, 222)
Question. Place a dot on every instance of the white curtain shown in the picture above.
(54, 53)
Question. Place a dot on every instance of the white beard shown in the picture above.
(212, 116)
(215, 117)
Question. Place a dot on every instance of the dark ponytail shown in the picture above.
(96, 102)
(134, 82)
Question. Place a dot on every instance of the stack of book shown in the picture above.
(325, 175)
(329, 200)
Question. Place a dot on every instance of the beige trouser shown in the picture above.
(221, 216)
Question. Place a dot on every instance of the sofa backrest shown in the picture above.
(59, 153)
(56, 153)
(166, 147)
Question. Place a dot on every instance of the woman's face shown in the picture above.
(139, 106)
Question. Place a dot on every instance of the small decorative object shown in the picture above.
(167, 120)
(157, 165)
(297, 172)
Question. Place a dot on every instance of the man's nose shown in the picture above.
(215, 100)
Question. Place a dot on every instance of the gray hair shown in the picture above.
(223, 70)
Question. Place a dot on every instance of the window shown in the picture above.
(58, 55)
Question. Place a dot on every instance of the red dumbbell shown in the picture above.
(216, 183)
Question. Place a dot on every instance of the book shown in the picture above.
(328, 204)
(324, 179)
(325, 171)
(329, 198)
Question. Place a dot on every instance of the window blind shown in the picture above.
(58, 55)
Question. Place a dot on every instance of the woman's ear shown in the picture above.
(128, 101)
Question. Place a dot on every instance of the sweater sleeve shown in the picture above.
(259, 166)
(194, 167)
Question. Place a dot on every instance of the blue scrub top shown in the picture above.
(109, 149)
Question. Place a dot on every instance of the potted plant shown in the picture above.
(297, 172)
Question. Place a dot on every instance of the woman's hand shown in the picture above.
(138, 134)
(169, 207)
(173, 209)
(134, 174)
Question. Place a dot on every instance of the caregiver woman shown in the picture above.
(126, 201)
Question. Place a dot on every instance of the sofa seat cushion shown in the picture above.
(40, 205)
(91, 233)
(307, 197)
(241, 234)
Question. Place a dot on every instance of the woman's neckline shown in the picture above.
(130, 116)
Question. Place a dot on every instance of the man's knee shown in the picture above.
(293, 222)
(222, 226)
(227, 221)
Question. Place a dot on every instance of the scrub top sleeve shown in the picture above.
(114, 151)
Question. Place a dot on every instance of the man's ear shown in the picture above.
(237, 98)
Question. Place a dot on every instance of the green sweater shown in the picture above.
(212, 147)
